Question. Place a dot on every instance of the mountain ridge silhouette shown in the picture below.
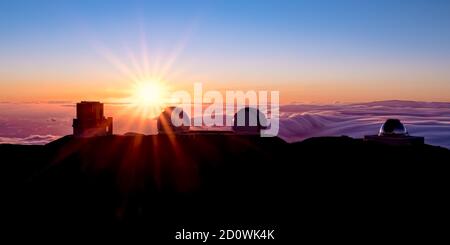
(154, 185)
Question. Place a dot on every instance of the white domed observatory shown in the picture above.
(393, 132)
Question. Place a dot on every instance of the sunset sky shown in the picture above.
(311, 51)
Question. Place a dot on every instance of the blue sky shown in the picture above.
(340, 47)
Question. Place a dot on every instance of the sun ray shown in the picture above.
(123, 68)
(144, 52)
(134, 62)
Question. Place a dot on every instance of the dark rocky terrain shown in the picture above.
(332, 188)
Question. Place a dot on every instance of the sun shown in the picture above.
(149, 95)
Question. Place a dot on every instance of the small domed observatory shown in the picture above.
(90, 120)
(393, 127)
(249, 120)
(181, 123)
(393, 132)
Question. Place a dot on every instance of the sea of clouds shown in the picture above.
(40, 123)
(428, 119)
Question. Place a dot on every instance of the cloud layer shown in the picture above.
(43, 123)
(30, 140)
(431, 120)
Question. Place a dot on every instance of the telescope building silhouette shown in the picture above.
(90, 120)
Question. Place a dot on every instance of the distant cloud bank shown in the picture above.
(30, 140)
(428, 119)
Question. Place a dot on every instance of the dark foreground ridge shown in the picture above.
(335, 188)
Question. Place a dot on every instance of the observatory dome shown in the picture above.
(167, 126)
(393, 127)
(249, 120)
